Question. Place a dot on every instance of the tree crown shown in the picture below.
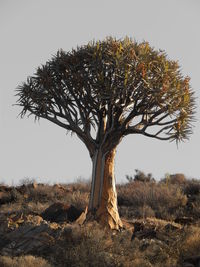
(116, 87)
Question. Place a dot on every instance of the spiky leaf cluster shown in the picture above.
(114, 86)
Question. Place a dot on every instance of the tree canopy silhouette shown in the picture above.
(106, 90)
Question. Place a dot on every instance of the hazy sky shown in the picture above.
(32, 30)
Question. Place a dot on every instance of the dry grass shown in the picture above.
(35, 199)
(140, 199)
(153, 204)
(23, 261)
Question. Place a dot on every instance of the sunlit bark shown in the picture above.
(103, 200)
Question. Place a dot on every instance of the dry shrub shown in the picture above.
(43, 193)
(178, 178)
(145, 211)
(37, 207)
(141, 177)
(78, 199)
(191, 245)
(192, 188)
(163, 199)
(87, 248)
(142, 252)
(35, 200)
(158, 253)
(140, 262)
(82, 185)
(196, 207)
(129, 212)
(77, 194)
(27, 181)
(23, 261)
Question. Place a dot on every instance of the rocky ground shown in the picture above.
(41, 225)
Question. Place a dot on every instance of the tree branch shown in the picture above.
(158, 137)
(133, 130)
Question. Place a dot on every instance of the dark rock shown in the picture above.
(5, 197)
(34, 236)
(195, 260)
(138, 226)
(141, 232)
(148, 234)
(59, 212)
(4, 188)
(171, 227)
(30, 238)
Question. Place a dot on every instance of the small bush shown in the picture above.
(27, 181)
(141, 177)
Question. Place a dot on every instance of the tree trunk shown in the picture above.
(103, 198)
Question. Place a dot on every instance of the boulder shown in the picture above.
(30, 234)
(59, 212)
(5, 197)
(145, 234)
(29, 238)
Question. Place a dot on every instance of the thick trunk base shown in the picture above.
(109, 218)
(105, 211)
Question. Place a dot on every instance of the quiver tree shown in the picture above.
(104, 91)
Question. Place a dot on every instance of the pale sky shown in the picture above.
(31, 31)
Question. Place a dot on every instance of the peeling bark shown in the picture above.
(103, 199)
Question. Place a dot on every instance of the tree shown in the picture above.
(104, 91)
